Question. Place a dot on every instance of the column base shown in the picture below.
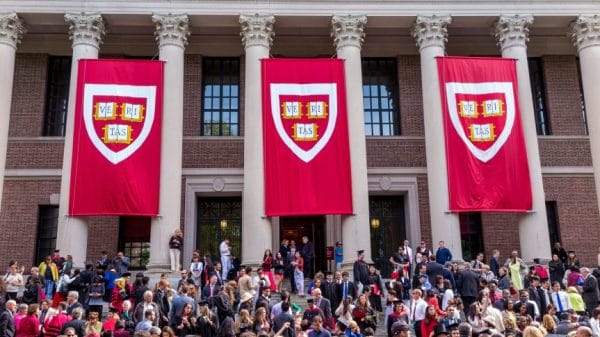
(158, 268)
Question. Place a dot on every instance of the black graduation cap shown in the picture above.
(203, 302)
(359, 252)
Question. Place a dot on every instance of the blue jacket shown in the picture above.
(443, 255)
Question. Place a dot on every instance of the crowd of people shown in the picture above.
(426, 295)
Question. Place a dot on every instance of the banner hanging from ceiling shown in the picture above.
(305, 137)
(485, 147)
(117, 135)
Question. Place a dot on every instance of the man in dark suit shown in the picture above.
(263, 300)
(282, 318)
(325, 306)
(433, 269)
(534, 294)
(329, 290)
(211, 289)
(532, 309)
(468, 285)
(590, 290)
(361, 271)
(72, 301)
(346, 287)
(7, 319)
(76, 323)
(308, 254)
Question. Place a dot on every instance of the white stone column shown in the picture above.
(348, 35)
(86, 31)
(430, 34)
(11, 30)
(257, 37)
(172, 32)
(586, 37)
(512, 34)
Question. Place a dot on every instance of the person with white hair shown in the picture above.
(147, 304)
(589, 290)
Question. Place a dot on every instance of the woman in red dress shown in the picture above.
(266, 266)
(430, 322)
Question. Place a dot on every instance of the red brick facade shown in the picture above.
(568, 146)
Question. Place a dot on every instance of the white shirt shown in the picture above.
(564, 300)
(409, 252)
(595, 328)
(224, 249)
(418, 309)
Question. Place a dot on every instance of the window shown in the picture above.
(220, 96)
(219, 219)
(57, 95)
(471, 236)
(552, 215)
(134, 240)
(46, 232)
(380, 97)
(538, 92)
(388, 229)
(582, 98)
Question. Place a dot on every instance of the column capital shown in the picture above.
(585, 31)
(12, 29)
(85, 28)
(431, 31)
(171, 29)
(513, 30)
(348, 30)
(257, 30)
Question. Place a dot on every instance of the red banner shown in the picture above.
(305, 137)
(116, 142)
(485, 148)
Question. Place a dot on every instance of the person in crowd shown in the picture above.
(443, 254)
(399, 314)
(207, 323)
(225, 253)
(13, 281)
(339, 255)
(267, 265)
(515, 266)
(49, 271)
(376, 285)
(93, 325)
(278, 271)
(576, 301)
(308, 254)
(572, 260)
(298, 267)
(122, 291)
(430, 322)
(360, 271)
(184, 321)
(175, 246)
(29, 325)
(589, 290)
(76, 323)
(556, 268)
(121, 263)
(139, 313)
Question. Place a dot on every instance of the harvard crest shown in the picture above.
(483, 115)
(118, 118)
(304, 116)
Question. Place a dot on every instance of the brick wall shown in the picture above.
(411, 97)
(424, 211)
(563, 96)
(578, 216)
(29, 92)
(213, 153)
(103, 234)
(192, 95)
(35, 154)
(395, 152)
(500, 231)
(19, 218)
(564, 152)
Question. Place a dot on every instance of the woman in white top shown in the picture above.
(196, 269)
(13, 280)
(448, 294)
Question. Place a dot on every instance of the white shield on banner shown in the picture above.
(328, 89)
(506, 88)
(146, 92)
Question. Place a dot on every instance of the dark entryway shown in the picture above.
(388, 229)
(294, 228)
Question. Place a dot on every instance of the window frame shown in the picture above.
(47, 224)
(375, 76)
(222, 80)
(56, 102)
(539, 96)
